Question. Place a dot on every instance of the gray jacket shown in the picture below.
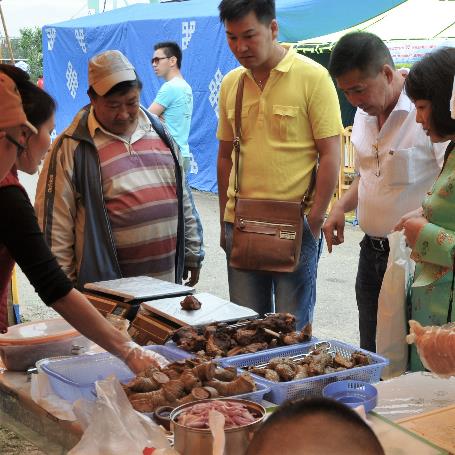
(72, 213)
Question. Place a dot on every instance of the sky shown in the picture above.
(36, 13)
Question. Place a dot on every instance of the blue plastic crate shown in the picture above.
(308, 387)
(75, 377)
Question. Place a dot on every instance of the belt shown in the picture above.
(378, 243)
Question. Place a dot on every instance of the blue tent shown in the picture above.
(194, 24)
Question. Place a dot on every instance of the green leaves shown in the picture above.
(31, 50)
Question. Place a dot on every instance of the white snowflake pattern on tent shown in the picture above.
(214, 88)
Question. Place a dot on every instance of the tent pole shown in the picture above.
(6, 35)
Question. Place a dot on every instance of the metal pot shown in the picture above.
(190, 441)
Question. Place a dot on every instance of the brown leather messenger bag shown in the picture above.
(267, 233)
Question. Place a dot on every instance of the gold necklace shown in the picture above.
(261, 82)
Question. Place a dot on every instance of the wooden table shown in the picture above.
(20, 414)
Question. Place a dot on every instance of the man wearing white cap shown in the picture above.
(112, 199)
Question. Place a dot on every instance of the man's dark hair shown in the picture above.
(38, 105)
(359, 51)
(170, 49)
(431, 79)
(119, 89)
(234, 10)
(333, 411)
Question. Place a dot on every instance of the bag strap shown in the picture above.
(238, 133)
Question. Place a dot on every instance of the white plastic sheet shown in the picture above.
(113, 427)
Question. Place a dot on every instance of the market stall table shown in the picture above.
(20, 414)
(413, 394)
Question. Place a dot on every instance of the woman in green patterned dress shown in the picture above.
(431, 234)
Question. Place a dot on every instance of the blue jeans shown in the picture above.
(372, 267)
(266, 292)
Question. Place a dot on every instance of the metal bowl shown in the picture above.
(189, 441)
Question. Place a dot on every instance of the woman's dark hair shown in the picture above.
(38, 105)
(170, 49)
(119, 89)
(233, 10)
(431, 78)
(361, 51)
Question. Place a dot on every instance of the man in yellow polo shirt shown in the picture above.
(290, 123)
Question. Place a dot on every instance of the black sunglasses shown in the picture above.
(20, 147)
(157, 59)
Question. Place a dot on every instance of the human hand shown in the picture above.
(193, 272)
(412, 228)
(333, 228)
(315, 223)
(138, 359)
(417, 213)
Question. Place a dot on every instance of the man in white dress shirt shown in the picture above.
(396, 163)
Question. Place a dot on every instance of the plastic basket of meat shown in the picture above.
(73, 378)
(191, 379)
(304, 370)
(219, 340)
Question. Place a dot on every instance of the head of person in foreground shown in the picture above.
(315, 427)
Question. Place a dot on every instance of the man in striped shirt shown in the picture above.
(112, 199)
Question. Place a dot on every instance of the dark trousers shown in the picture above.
(372, 266)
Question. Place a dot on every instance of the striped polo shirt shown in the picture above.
(140, 192)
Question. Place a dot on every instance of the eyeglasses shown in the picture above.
(156, 60)
(376, 153)
(20, 147)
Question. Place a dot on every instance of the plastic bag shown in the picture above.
(392, 307)
(113, 427)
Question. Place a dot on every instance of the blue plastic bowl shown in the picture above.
(352, 394)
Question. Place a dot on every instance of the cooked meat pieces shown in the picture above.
(278, 322)
(235, 414)
(192, 379)
(316, 363)
(436, 347)
(286, 371)
(360, 358)
(245, 336)
(291, 338)
(342, 362)
(254, 347)
(221, 339)
(190, 303)
(189, 339)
